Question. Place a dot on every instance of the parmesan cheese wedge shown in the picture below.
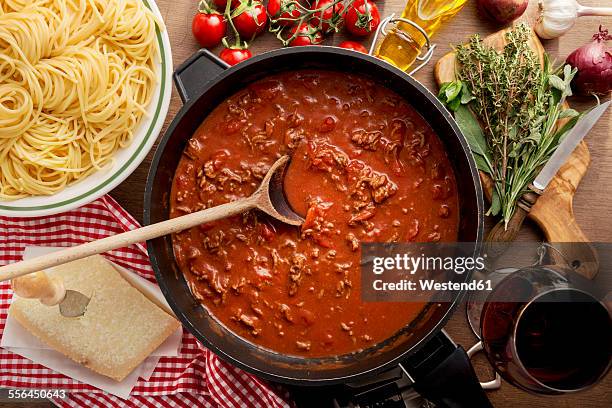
(119, 329)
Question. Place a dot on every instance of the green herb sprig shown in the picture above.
(507, 105)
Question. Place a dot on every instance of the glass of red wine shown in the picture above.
(547, 331)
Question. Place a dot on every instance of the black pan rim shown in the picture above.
(159, 153)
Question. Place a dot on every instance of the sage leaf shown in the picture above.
(561, 133)
(481, 163)
(568, 113)
(557, 83)
(567, 72)
(495, 204)
(471, 130)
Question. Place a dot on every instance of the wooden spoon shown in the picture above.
(269, 198)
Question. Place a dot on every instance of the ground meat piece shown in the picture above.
(363, 177)
(352, 241)
(382, 187)
(394, 238)
(363, 215)
(286, 312)
(209, 274)
(398, 130)
(184, 208)
(340, 288)
(293, 136)
(433, 236)
(237, 287)
(257, 310)
(259, 170)
(314, 224)
(413, 229)
(327, 157)
(226, 175)
(248, 320)
(236, 111)
(367, 140)
(193, 149)
(193, 252)
(195, 291)
(260, 140)
(214, 242)
(294, 120)
(303, 345)
(296, 272)
(251, 322)
(276, 258)
(269, 127)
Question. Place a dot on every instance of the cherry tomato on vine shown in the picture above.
(307, 34)
(331, 14)
(353, 45)
(362, 18)
(235, 55)
(208, 28)
(283, 9)
(252, 20)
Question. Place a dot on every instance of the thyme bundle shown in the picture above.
(507, 104)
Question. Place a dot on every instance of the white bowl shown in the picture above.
(126, 160)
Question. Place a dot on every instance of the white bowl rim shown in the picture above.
(72, 196)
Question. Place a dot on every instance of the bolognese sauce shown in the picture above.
(365, 167)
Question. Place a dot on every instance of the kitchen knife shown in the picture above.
(567, 146)
(584, 260)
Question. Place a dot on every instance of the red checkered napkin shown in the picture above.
(196, 378)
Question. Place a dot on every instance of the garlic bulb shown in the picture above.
(558, 16)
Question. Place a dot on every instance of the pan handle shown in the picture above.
(196, 72)
(443, 374)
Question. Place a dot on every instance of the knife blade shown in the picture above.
(567, 146)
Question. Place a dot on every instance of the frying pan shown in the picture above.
(440, 369)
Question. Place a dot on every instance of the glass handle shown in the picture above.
(488, 385)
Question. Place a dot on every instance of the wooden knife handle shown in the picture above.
(503, 233)
(38, 285)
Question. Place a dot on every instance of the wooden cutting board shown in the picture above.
(553, 212)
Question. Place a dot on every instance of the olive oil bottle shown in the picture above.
(403, 44)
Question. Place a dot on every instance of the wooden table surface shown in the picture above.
(593, 199)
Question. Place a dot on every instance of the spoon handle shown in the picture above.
(126, 238)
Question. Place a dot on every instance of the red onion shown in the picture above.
(502, 11)
(594, 64)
